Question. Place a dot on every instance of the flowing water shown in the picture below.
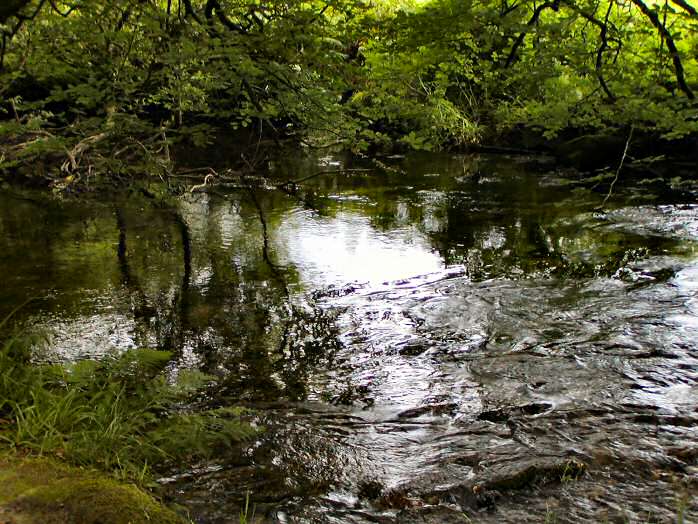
(446, 339)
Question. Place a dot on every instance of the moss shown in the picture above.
(39, 490)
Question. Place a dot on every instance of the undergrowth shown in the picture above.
(119, 414)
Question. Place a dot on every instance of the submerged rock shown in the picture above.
(524, 476)
(43, 491)
(432, 515)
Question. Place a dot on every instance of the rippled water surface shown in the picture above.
(444, 339)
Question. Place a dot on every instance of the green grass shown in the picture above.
(550, 517)
(119, 414)
(245, 516)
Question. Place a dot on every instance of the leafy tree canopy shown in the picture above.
(110, 86)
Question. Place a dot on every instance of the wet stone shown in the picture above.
(432, 515)
(527, 476)
(414, 348)
(432, 409)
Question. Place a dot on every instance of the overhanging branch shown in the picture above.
(686, 7)
(214, 6)
(555, 5)
(671, 46)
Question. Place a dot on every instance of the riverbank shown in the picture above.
(39, 490)
(62, 423)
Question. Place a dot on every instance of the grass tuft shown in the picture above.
(119, 415)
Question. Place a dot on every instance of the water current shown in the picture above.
(444, 339)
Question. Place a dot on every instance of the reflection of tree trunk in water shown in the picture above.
(121, 250)
(186, 250)
(265, 243)
(180, 322)
(274, 269)
(142, 312)
(176, 317)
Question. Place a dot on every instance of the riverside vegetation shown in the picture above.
(113, 89)
(118, 415)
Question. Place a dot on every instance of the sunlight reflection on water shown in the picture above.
(347, 248)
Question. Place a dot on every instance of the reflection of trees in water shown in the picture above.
(263, 341)
(203, 278)
(204, 281)
(522, 228)
(154, 260)
(48, 250)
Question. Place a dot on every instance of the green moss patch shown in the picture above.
(42, 491)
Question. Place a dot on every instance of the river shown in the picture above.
(449, 338)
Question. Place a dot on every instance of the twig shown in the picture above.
(71, 162)
(166, 147)
(329, 172)
(197, 172)
(208, 177)
(14, 110)
(249, 164)
(620, 166)
(194, 171)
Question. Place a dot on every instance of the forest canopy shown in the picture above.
(112, 86)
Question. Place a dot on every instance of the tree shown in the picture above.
(112, 86)
(127, 79)
(476, 70)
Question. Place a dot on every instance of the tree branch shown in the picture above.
(57, 10)
(14, 8)
(189, 11)
(671, 46)
(555, 5)
(599, 55)
(603, 34)
(215, 6)
(685, 6)
(620, 166)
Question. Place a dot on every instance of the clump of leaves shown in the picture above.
(120, 414)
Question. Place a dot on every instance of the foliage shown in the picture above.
(556, 67)
(120, 414)
(110, 87)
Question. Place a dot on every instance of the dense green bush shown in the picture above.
(94, 88)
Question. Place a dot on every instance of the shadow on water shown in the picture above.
(443, 339)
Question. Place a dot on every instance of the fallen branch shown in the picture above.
(71, 163)
(207, 178)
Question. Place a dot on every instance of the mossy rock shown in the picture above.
(43, 491)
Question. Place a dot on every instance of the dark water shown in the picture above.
(451, 339)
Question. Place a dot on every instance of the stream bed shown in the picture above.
(446, 339)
